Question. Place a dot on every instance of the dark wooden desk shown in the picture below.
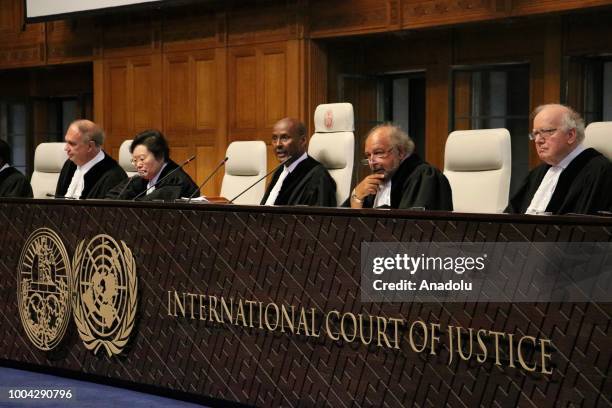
(307, 258)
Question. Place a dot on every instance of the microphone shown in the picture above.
(126, 185)
(165, 177)
(221, 163)
(252, 185)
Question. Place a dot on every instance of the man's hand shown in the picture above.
(368, 186)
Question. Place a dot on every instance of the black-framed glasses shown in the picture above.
(542, 132)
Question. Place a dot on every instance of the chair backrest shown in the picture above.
(333, 144)
(125, 158)
(478, 165)
(598, 135)
(48, 161)
(246, 163)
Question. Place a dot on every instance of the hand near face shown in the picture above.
(368, 186)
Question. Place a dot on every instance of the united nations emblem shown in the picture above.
(44, 288)
(105, 293)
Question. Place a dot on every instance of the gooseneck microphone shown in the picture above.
(165, 177)
(134, 177)
(253, 185)
(221, 163)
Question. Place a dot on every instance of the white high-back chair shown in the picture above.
(333, 144)
(246, 163)
(478, 165)
(48, 161)
(598, 135)
(125, 158)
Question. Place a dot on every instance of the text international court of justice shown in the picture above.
(306, 203)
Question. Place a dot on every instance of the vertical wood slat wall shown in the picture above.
(207, 77)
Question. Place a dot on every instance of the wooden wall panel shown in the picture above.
(132, 97)
(20, 45)
(331, 18)
(206, 94)
(274, 87)
(243, 99)
(117, 99)
(526, 7)
(273, 22)
(178, 107)
(428, 13)
(72, 41)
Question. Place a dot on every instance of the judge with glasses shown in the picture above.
(400, 178)
(572, 178)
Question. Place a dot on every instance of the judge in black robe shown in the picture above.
(584, 183)
(308, 182)
(584, 187)
(414, 182)
(98, 181)
(159, 178)
(175, 186)
(12, 182)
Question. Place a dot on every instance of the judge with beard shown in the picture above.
(12, 182)
(151, 158)
(572, 178)
(400, 178)
(301, 180)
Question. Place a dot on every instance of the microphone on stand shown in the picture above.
(126, 185)
(165, 177)
(252, 185)
(221, 163)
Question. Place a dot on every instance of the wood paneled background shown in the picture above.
(212, 73)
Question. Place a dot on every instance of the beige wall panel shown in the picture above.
(274, 80)
(206, 93)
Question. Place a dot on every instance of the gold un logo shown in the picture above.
(44, 288)
(105, 293)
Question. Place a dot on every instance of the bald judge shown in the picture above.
(572, 178)
(89, 172)
(301, 180)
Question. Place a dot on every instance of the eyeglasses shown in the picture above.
(136, 160)
(542, 132)
(376, 155)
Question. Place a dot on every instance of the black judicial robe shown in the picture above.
(308, 184)
(14, 184)
(584, 187)
(99, 180)
(177, 185)
(416, 183)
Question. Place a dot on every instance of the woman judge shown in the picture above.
(159, 178)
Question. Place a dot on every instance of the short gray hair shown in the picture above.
(90, 131)
(570, 119)
(398, 137)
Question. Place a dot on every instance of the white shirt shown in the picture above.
(152, 182)
(383, 197)
(6, 166)
(279, 183)
(545, 191)
(77, 184)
